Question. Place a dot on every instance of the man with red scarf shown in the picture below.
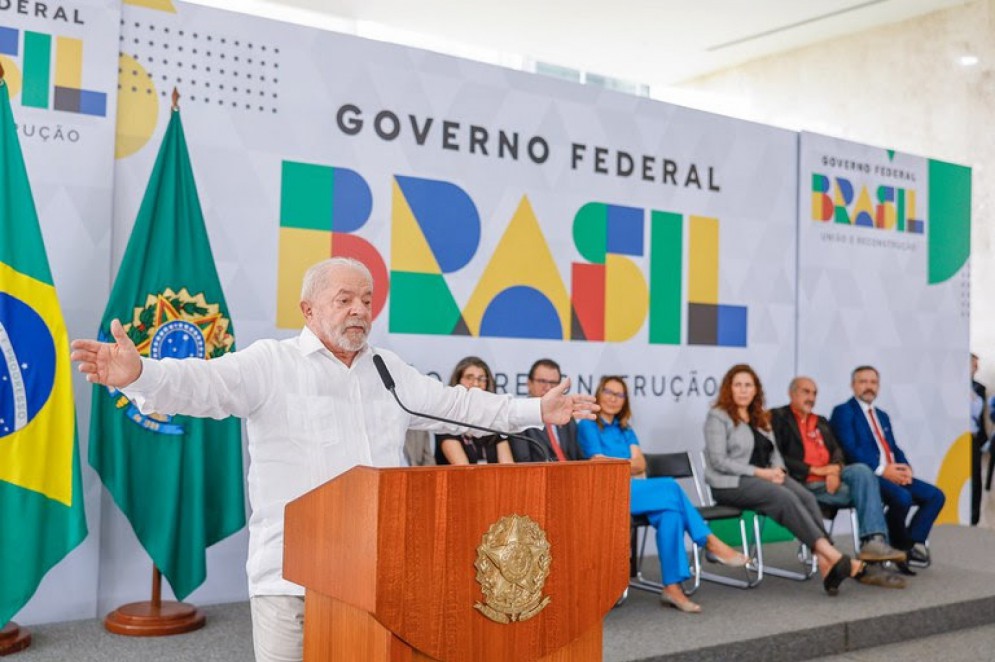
(814, 458)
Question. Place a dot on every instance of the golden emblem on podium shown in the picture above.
(512, 565)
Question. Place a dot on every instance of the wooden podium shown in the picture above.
(390, 561)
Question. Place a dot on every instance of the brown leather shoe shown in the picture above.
(875, 575)
(876, 550)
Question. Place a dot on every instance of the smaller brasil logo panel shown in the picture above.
(436, 230)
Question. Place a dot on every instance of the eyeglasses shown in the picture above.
(547, 382)
(482, 379)
(614, 394)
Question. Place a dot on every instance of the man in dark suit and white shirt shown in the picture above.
(560, 441)
(865, 433)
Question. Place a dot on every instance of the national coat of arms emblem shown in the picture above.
(512, 565)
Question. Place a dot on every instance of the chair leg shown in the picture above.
(732, 581)
(637, 581)
(855, 531)
(810, 569)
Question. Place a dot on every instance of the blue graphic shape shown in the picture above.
(178, 339)
(521, 312)
(624, 230)
(8, 41)
(352, 200)
(92, 103)
(845, 189)
(864, 219)
(732, 326)
(27, 364)
(447, 217)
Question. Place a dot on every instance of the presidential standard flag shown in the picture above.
(41, 495)
(177, 479)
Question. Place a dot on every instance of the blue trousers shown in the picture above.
(899, 499)
(672, 514)
(859, 489)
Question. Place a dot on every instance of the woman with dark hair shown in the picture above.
(472, 372)
(662, 500)
(745, 470)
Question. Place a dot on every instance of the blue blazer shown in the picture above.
(856, 436)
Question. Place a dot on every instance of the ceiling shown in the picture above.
(652, 42)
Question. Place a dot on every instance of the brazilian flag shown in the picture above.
(41, 495)
(177, 479)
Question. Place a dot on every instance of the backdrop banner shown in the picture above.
(883, 247)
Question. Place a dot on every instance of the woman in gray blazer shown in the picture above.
(745, 470)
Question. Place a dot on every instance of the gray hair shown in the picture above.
(316, 277)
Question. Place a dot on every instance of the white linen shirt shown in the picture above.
(309, 418)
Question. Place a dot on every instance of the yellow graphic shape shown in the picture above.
(299, 249)
(137, 107)
(158, 5)
(11, 75)
(864, 205)
(910, 205)
(69, 63)
(889, 215)
(39, 456)
(703, 260)
(954, 473)
(626, 298)
(522, 258)
(409, 250)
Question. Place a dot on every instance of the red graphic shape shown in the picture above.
(349, 245)
(587, 285)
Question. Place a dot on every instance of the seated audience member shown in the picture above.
(814, 458)
(661, 499)
(745, 470)
(472, 372)
(560, 441)
(864, 432)
(419, 449)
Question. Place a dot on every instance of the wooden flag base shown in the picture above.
(155, 618)
(145, 619)
(13, 638)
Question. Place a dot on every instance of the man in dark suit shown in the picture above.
(865, 433)
(815, 459)
(560, 441)
(978, 439)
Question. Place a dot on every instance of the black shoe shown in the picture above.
(903, 567)
(840, 571)
(919, 554)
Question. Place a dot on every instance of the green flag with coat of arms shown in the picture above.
(177, 479)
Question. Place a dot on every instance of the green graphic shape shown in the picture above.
(591, 232)
(306, 196)
(666, 254)
(421, 303)
(949, 219)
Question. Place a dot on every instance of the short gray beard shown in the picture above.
(341, 339)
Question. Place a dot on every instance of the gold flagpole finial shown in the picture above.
(1, 73)
(176, 99)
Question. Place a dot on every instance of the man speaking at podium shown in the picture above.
(315, 406)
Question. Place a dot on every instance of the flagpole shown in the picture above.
(13, 637)
(156, 617)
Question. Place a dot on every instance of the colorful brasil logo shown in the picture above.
(835, 199)
(40, 86)
(436, 230)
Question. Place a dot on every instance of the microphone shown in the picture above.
(388, 382)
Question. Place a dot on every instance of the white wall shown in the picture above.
(899, 87)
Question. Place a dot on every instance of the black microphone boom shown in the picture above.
(388, 382)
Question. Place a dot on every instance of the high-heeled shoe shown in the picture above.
(686, 606)
(739, 560)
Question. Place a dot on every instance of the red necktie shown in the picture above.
(881, 439)
(554, 443)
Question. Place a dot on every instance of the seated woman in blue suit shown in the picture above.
(661, 499)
